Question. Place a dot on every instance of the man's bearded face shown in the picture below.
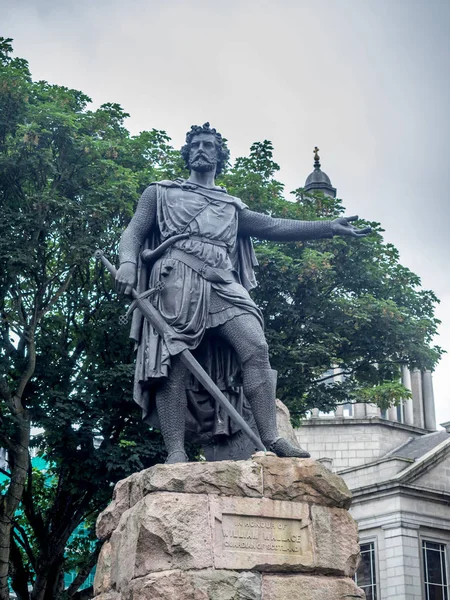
(203, 153)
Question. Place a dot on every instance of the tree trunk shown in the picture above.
(42, 582)
(50, 562)
(18, 461)
(49, 582)
(19, 575)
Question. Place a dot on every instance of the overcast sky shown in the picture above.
(365, 80)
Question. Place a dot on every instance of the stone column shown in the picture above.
(372, 410)
(267, 528)
(359, 410)
(416, 387)
(408, 410)
(428, 401)
(315, 413)
(401, 563)
(339, 412)
(392, 413)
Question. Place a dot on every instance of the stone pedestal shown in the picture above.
(263, 529)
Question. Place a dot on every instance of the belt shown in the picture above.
(208, 241)
(206, 271)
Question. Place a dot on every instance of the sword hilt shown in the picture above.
(159, 286)
(99, 255)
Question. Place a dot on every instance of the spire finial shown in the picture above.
(316, 158)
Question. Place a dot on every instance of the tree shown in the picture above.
(69, 181)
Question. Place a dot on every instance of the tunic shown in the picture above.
(189, 303)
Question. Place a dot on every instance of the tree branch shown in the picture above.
(19, 575)
(83, 573)
(349, 372)
(17, 406)
(344, 372)
(60, 291)
(23, 541)
(5, 392)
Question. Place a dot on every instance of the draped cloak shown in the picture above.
(193, 306)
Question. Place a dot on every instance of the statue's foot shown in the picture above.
(281, 447)
(178, 456)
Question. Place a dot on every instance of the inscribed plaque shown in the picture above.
(266, 533)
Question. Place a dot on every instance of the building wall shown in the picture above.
(399, 564)
(397, 521)
(352, 442)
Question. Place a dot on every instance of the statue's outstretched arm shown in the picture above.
(281, 230)
(289, 230)
(132, 239)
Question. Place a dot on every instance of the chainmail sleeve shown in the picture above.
(281, 230)
(143, 220)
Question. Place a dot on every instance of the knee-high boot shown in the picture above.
(260, 390)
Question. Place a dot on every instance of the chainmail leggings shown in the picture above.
(246, 337)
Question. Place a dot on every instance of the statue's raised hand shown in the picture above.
(342, 226)
(126, 278)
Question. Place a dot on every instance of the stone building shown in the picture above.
(397, 466)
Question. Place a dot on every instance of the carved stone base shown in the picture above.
(263, 529)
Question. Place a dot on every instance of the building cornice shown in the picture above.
(394, 488)
(351, 421)
(404, 519)
(374, 463)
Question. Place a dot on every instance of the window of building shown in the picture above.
(401, 413)
(435, 570)
(348, 410)
(365, 576)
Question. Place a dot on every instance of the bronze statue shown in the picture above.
(205, 260)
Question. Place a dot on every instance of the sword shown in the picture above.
(156, 320)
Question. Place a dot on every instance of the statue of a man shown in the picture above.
(207, 275)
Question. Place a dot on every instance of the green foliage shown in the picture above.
(386, 394)
(69, 182)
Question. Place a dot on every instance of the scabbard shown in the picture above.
(150, 256)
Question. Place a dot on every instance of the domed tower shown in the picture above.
(376, 431)
(318, 181)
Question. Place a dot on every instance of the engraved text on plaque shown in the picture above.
(261, 534)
